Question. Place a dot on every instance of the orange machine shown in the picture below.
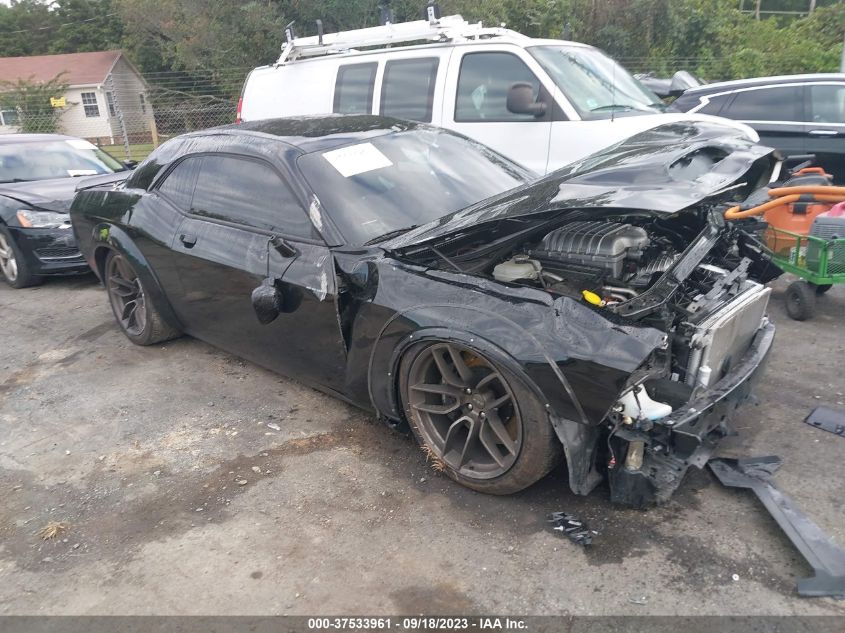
(793, 207)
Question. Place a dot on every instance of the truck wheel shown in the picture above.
(478, 423)
(800, 300)
(139, 319)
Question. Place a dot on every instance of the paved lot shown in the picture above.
(142, 453)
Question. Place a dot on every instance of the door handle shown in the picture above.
(823, 133)
(188, 240)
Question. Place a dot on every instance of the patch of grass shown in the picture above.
(139, 152)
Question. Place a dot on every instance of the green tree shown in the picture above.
(31, 99)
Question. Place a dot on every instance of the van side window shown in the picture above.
(483, 85)
(249, 192)
(353, 90)
(407, 91)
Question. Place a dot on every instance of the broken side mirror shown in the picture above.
(682, 81)
(521, 100)
(267, 301)
(130, 164)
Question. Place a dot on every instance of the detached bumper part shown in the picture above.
(689, 435)
(826, 559)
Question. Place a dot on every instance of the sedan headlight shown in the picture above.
(32, 219)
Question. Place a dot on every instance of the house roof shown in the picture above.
(81, 69)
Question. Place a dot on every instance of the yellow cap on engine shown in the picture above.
(592, 297)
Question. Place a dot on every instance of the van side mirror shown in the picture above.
(521, 100)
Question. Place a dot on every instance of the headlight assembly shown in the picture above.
(32, 219)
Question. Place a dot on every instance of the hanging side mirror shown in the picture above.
(267, 301)
(521, 100)
(283, 247)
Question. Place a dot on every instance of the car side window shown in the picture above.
(483, 84)
(407, 90)
(353, 90)
(827, 103)
(778, 103)
(178, 185)
(714, 105)
(249, 192)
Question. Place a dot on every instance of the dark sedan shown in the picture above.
(606, 312)
(797, 114)
(38, 178)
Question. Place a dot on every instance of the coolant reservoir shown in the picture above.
(517, 269)
(637, 404)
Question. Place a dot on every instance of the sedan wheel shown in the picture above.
(478, 423)
(8, 262)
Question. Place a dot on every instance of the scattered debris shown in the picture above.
(638, 600)
(256, 469)
(735, 577)
(274, 426)
(52, 530)
(823, 555)
(241, 482)
(827, 420)
(572, 527)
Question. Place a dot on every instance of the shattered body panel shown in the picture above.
(352, 311)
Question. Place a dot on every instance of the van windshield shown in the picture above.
(594, 83)
(375, 189)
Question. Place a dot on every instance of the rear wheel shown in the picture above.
(800, 300)
(13, 266)
(135, 313)
(479, 423)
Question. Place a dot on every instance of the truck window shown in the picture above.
(407, 91)
(353, 90)
(483, 84)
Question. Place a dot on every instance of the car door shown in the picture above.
(242, 212)
(826, 126)
(475, 104)
(775, 112)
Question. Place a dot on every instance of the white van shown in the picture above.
(542, 103)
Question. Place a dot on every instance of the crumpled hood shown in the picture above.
(50, 195)
(640, 173)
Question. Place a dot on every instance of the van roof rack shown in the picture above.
(444, 29)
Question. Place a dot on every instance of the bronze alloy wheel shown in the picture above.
(126, 295)
(465, 411)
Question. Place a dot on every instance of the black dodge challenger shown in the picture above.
(605, 313)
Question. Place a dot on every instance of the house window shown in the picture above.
(143, 103)
(8, 117)
(110, 102)
(89, 102)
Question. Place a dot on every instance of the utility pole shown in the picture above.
(842, 63)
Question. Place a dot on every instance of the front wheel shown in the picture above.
(139, 319)
(13, 265)
(479, 423)
(800, 300)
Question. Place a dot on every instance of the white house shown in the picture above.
(106, 96)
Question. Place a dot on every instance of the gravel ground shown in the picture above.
(191, 482)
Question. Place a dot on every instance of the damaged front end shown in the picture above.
(649, 253)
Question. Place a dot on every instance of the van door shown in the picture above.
(475, 103)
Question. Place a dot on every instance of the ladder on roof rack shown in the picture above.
(446, 28)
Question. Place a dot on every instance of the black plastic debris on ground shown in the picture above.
(828, 420)
(823, 555)
(572, 527)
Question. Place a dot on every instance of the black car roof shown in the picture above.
(318, 133)
(724, 86)
(14, 139)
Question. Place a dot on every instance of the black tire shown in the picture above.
(800, 300)
(132, 306)
(13, 266)
(822, 288)
(515, 427)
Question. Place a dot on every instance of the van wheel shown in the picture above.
(478, 423)
(800, 300)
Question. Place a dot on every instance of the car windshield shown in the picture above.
(397, 181)
(42, 160)
(594, 83)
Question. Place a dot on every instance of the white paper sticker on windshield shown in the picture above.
(79, 143)
(357, 159)
(81, 172)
